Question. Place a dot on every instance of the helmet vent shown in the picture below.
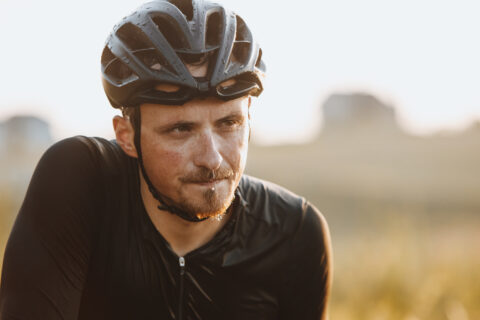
(170, 32)
(142, 48)
(185, 6)
(242, 30)
(107, 56)
(195, 58)
(153, 60)
(120, 72)
(213, 30)
(240, 52)
(133, 37)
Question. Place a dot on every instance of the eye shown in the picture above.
(231, 124)
(181, 128)
(177, 130)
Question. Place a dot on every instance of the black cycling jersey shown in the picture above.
(83, 247)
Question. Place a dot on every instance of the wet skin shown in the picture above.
(195, 154)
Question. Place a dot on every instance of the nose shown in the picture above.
(207, 153)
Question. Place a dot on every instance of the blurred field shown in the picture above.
(404, 215)
(7, 207)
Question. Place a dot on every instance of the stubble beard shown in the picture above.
(212, 202)
(214, 205)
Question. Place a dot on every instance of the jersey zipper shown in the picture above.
(181, 262)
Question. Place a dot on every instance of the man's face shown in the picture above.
(195, 154)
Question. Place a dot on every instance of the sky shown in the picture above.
(421, 56)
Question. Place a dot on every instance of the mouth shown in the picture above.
(207, 183)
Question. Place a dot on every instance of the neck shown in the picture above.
(182, 235)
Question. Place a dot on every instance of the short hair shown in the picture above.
(129, 114)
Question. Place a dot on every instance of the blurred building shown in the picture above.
(25, 134)
(357, 112)
(23, 139)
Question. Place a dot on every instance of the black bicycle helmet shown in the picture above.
(152, 45)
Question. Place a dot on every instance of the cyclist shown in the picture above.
(162, 223)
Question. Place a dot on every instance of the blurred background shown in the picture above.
(371, 111)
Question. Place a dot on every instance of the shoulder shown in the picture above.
(85, 147)
(72, 181)
(77, 169)
(82, 153)
(278, 206)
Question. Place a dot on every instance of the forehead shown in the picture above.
(196, 110)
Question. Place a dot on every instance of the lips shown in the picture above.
(207, 182)
(204, 176)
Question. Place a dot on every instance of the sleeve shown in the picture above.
(308, 276)
(47, 253)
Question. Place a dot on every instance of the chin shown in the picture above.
(214, 212)
(212, 203)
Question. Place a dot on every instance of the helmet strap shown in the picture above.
(155, 193)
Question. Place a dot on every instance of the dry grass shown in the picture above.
(7, 207)
(404, 214)
(408, 271)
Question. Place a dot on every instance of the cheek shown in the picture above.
(169, 158)
(158, 150)
(173, 157)
(163, 162)
(236, 150)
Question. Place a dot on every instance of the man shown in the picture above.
(162, 223)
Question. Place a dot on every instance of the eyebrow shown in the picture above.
(168, 126)
(234, 114)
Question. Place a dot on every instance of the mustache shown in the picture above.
(205, 175)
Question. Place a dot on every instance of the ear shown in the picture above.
(125, 133)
